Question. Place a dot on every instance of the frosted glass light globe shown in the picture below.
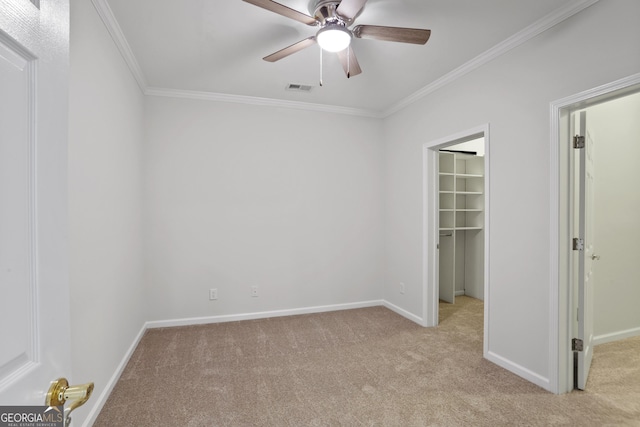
(333, 38)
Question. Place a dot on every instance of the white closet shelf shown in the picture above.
(467, 193)
(459, 228)
(461, 175)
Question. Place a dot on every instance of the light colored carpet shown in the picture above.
(364, 367)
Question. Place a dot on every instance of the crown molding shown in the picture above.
(501, 48)
(547, 22)
(106, 15)
(253, 100)
(110, 22)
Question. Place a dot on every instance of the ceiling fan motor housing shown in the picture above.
(326, 12)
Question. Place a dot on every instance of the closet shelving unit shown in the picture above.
(461, 220)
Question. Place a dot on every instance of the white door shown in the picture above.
(34, 291)
(586, 256)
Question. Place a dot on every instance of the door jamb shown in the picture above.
(430, 231)
(561, 224)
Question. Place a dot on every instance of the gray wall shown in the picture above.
(513, 94)
(239, 196)
(105, 204)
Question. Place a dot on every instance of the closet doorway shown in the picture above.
(461, 221)
(456, 221)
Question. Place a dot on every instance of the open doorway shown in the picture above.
(596, 304)
(616, 127)
(456, 221)
(610, 252)
(461, 220)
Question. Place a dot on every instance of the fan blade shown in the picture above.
(289, 50)
(284, 11)
(349, 62)
(392, 34)
(349, 9)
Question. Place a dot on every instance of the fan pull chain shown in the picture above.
(320, 66)
(349, 61)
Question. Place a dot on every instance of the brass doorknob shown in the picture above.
(60, 391)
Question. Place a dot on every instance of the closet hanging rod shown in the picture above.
(446, 234)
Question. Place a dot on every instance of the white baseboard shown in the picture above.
(459, 293)
(404, 313)
(521, 371)
(615, 336)
(259, 315)
(102, 399)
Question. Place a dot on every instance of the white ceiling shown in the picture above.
(217, 46)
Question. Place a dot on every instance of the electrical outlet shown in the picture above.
(254, 291)
(213, 294)
(401, 288)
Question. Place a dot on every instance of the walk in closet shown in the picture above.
(461, 224)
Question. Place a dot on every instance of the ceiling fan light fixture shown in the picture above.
(334, 38)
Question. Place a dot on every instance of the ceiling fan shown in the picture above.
(335, 17)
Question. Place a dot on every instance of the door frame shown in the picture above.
(430, 229)
(562, 223)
